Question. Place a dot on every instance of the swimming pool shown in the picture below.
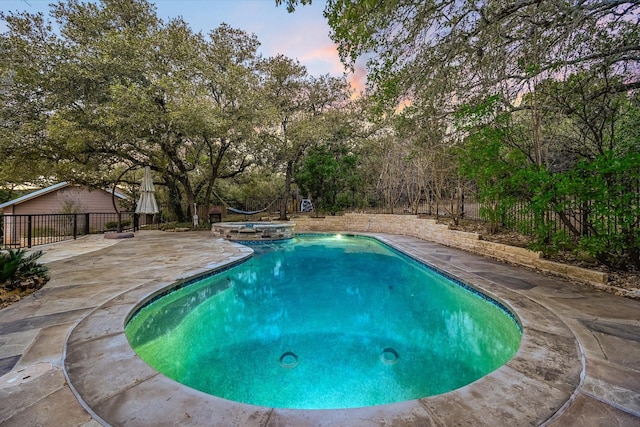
(323, 322)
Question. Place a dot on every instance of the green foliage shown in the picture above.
(627, 128)
(610, 187)
(302, 110)
(10, 261)
(605, 194)
(292, 4)
(470, 115)
(16, 265)
(173, 225)
(457, 50)
(591, 206)
(6, 195)
(112, 225)
(115, 87)
(257, 183)
(486, 158)
(326, 174)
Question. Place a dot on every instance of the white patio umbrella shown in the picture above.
(147, 202)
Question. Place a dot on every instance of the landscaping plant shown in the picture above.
(18, 268)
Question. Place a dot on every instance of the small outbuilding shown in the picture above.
(60, 208)
(62, 198)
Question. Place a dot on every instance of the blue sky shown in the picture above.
(303, 35)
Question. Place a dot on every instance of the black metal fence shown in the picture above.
(19, 231)
(25, 231)
(573, 217)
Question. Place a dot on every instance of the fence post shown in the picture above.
(75, 226)
(86, 224)
(29, 231)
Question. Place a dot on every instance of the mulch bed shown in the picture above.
(628, 280)
(26, 287)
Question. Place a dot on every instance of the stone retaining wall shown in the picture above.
(428, 229)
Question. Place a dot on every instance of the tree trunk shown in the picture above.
(175, 200)
(287, 191)
(191, 197)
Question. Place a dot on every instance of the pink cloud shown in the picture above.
(358, 80)
(327, 54)
(404, 104)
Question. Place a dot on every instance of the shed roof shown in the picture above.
(43, 191)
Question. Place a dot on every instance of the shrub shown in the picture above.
(112, 225)
(203, 225)
(16, 266)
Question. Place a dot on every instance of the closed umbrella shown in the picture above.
(147, 202)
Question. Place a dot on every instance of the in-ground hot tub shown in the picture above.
(254, 231)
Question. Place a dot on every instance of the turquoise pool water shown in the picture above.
(323, 322)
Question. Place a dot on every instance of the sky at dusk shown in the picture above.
(302, 35)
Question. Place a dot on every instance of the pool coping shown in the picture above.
(533, 388)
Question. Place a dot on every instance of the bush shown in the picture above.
(16, 266)
(112, 225)
(203, 225)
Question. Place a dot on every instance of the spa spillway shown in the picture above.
(254, 231)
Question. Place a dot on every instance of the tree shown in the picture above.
(329, 170)
(291, 4)
(543, 98)
(284, 100)
(583, 113)
(482, 45)
(292, 100)
(119, 89)
(230, 81)
(390, 183)
(431, 164)
(458, 53)
(325, 174)
(585, 197)
(24, 105)
(488, 156)
(125, 94)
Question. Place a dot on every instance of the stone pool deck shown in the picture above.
(64, 360)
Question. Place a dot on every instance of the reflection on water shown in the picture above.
(336, 304)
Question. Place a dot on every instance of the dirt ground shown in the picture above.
(27, 287)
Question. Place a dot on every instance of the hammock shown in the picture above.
(239, 211)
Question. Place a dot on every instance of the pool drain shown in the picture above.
(389, 356)
(288, 360)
